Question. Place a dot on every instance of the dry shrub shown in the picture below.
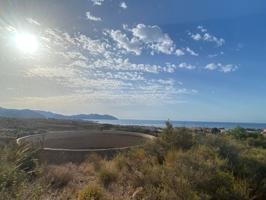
(108, 173)
(87, 168)
(120, 161)
(58, 176)
(106, 176)
(95, 159)
(91, 192)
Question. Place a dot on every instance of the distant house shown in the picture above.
(264, 131)
(252, 130)
(223, 130)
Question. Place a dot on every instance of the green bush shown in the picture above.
(178, 137)
(18, 167)
(26, 158)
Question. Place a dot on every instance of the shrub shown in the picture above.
(17, 167)
(220, 186)
(238, 132)
(120, 161)
(157, 149)
(178, 137)
(215, 131)
(95, 159)
(257, 142)
(26, 158)
(241, 189)
(58, 176)
(107, 176)
(170, 188)
(91, 192)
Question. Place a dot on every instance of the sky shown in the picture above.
(153, 59)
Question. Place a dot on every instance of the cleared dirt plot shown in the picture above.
(75, 146)
(87, 140)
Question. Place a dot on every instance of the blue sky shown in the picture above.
(168, 59)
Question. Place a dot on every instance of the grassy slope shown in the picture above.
(181, 164)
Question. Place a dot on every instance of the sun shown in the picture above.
(26, 42)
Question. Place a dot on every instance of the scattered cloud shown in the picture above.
(93, 46)
(123, 5)
(202, 29)
(108, 66)
(143, 37)
(228, 68)
(215, 55)
(154, 38)
(179, 52)
(131, 45)
(191, 52)
(221, 67)
(211, 66)
(196, 36)
(92, 18)
(32, 21)
(186, 66)
(97, 2)
(183, 65)
(205, 36)
(97, 71)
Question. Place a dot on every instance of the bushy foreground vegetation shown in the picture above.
(180, 164)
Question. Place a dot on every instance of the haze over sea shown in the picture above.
(188, 124)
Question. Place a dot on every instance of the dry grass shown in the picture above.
(91, 192)
(58, 176)
(65, 181)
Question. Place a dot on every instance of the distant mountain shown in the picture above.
(12, 113)
(38, 114)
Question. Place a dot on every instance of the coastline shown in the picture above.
(187, 124)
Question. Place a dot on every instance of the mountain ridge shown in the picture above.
(39, 114)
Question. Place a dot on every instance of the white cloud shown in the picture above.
(123, 5)
(94, 46)
(186, 66)
(191, 52)
(211, 66)
(97, 2)
(128, 75)
(221, 67)
(211, 38)
(202, 29)
(123, 41)
(196, 36)
(215, 55)
(32, 21)
(96, 70)
(179, 52)
(93, 18)
(146, 37)
(205, 36)
(172, 67)
(154, 38)
(228, 68)
(10, 28)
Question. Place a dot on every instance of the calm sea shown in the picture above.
(189, 124)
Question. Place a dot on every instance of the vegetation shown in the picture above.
(180, 165)
(90, 192)
(107, 176)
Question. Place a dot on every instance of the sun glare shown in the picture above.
(26, 42)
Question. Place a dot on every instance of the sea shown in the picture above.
(188, 124)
